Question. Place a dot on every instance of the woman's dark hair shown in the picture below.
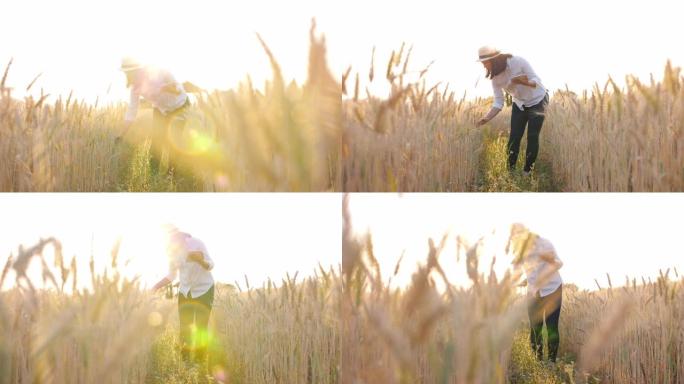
(498, 65)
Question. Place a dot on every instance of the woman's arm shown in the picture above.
(550, 258)
(523, 80)
(553, 264)
(162, 283)
(492, 113)
(496, 107)
(131, 112)
(169, 278)
(524, 73)
(198, 257)
(171, 86)
(172, 89)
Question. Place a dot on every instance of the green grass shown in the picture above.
(494, 174)
(137, 174)
(166, 366)
(525, 368)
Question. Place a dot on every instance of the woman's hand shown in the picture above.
(161, 284)
(490, 115)
(523, 80)
(198, 258)
(171, 88)
(124, 131)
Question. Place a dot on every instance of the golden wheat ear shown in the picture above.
(192, 88)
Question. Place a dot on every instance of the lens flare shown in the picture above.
(192, 134)
(221, 180)
(219, 374)
(154, 319)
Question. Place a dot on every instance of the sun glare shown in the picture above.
(211, 44)
(588, 252)
(142, 251)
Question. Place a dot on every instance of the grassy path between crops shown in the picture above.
(136, 175)
(525, 368)
(165, 365)
(495, 177)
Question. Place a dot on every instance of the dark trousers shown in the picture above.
(194, 322)
(545, 310)
(533, 118)
(162, 125)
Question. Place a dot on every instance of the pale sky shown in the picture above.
(78, 44)
(594, 234)
(576, 42)
(258, 235)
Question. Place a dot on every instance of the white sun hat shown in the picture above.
(130, 64)
(487, 52)
(169, 228)
(518, 229)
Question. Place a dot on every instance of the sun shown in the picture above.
(141, 252)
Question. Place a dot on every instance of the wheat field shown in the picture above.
(284, 137)
(115, 332)
(422, 137)
(620, 139)
(436, 331)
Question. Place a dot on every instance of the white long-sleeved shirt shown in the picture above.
(194, 280)
(536, 268)
(522, 94)
(158, 87)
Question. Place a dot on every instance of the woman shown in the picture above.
(530, 98)
(190, 261)
(164, 93)
(540, 263)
